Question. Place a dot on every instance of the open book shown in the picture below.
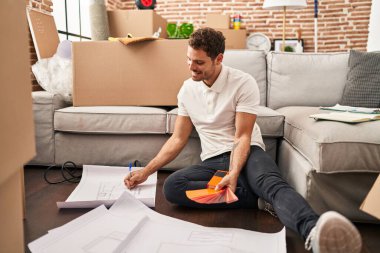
(348, 117)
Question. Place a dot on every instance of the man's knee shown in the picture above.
(172, 190)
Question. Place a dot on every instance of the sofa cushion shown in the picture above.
(333, 146)
(305, 79)
(252, 62)
(111, 120)
(120, 150)
(271, 123)
(363, 80)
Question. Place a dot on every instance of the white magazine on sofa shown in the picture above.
(105, 184)
(347, 117)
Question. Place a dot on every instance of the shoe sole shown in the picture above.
(337, 234)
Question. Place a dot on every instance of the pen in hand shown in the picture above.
(128, 177)
(130, 170)
(135, 178)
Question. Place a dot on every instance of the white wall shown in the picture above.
(373, 43)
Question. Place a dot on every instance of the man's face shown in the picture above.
(202, 67)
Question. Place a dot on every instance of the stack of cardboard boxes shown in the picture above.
(105, 73)
(235, 38)
(146, 22)
(148, 73)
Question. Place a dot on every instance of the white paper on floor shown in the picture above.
(130, 226)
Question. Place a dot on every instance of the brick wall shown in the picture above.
(343, 24)
(43, 6)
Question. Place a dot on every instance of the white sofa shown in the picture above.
(331, 164)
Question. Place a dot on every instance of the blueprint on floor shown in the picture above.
(130, 226)
(105, 184)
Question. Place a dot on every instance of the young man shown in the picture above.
(221, 103)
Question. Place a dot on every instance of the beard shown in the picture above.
(197, 76)
(203, 73)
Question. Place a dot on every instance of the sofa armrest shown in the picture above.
(271, 122)
(47, 98)
(44, 106)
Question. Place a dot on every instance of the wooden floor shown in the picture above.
(42, 213)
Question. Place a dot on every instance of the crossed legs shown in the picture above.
(260, 177)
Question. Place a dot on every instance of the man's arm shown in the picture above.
(169, 151)
(244, 123)
(173, 146)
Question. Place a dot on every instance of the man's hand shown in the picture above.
(135, 178)
(229, 180)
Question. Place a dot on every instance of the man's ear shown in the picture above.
(219, 58)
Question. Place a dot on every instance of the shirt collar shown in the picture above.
(219, 82)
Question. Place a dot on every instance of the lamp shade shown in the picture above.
(280, 4)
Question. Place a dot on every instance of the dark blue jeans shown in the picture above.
(260, 177)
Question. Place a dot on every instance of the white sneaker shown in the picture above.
(334, 234)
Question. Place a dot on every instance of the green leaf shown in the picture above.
(179, 32)
(288, 49)
(186, 30)
(171, 29)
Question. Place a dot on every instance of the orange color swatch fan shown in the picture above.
(209, 195)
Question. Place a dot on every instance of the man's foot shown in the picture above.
(266, 206)
(334, 234)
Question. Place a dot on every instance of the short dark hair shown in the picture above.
(208, 40)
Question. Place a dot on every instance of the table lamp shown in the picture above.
(284, 5)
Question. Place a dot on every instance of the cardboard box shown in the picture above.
(11, 195)
(44, 33)
(218, 21)
(139, 23)
(371, 203)
(235, 39)
(144, 73)
(16, 128)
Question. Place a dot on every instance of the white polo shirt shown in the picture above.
(212, 110)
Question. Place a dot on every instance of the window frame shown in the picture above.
(66, 33)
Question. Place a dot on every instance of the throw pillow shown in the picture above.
(363, 80)
(55, 74)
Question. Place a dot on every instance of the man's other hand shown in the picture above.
(230, 181)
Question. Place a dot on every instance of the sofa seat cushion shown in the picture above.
(271, 122)
(333, 146)
(111, 120)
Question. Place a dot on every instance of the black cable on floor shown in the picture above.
(137, 163)
(68, 171)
